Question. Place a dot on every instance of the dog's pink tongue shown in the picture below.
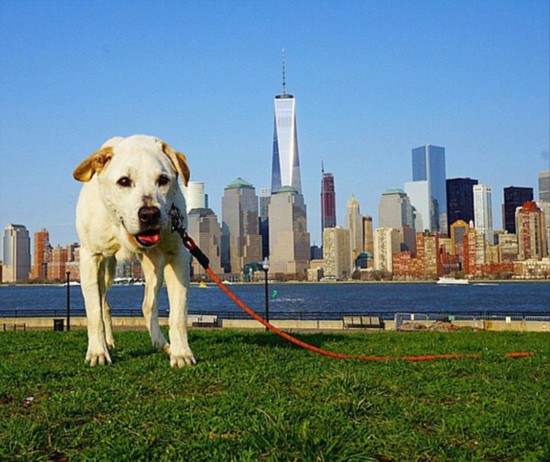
(152, 239)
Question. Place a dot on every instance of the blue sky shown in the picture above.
(372, 79)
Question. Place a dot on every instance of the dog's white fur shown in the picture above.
(108, 226)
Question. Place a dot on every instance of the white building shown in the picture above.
(337, 253)
(387, 242)
(483, 211)
(195, 197)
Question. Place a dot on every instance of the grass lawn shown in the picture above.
(254, 397)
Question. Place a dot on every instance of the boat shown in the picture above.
(202, 285)
(446, 281)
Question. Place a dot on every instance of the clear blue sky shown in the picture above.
(373, 79)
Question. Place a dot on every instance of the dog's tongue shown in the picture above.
(150, 239)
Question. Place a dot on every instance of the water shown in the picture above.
(302, 300)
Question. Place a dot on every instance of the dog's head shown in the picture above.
(138, 180)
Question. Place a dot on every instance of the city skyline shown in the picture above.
(367, 95)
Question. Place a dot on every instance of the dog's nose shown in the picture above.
(149, 216)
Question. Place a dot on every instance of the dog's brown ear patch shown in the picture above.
(93, 164)
(179, 161)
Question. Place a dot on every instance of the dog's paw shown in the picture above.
(186, 359)
(98, 358)
(111, 344)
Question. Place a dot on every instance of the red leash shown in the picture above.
(177, 225)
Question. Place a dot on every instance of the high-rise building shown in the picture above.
(17, 254)
(458, 230)
(368, 235)
(328, 201)
(419, 195)
(289, 240)
(286, 162)
(387, 242)
(42, 254)
(428, 263)
(460, 200)
(544, 186)
(428, 164)
(337, 253)
(265, 199)
(204, 228)
(195, 197)
(483, 210)
(395, 211)
(241, 240)
(531, 232)
(354, 222)
(514, 197)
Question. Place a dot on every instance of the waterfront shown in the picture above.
(323, 301)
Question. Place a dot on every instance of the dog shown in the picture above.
(130, 186)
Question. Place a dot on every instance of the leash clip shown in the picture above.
(177, 221)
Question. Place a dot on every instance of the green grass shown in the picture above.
(254, 397)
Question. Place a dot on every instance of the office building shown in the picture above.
(328, 201)
(195, 197)
(241, 240)
(286, 163)
(544, 186)
(42, 255)
(395, 211)
(387, 242)
(265, 198)
(460, 200)
(419, 196)
(204, 228)
(531, 232)
(354, 222)
(337, 253)
(368, 235)
(289, 240)
(483, 210)
(458, 230)
(514, 197)
(17, 254)
(428, 164)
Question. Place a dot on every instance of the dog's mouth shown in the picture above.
(148, 238)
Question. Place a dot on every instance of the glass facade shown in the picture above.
(286, 162)
(428, 164)
(460, 200)
(514, 197)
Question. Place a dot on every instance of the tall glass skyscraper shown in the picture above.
(286, 163)
(460, 200)
(428, 164)
(514, 197)
(328, 201)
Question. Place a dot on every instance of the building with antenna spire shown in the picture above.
(286, 162)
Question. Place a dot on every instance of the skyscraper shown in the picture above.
(241, 240)
(514, 197)
(195, 198)
(531, 232)
(337, 253)
(265, 199)
(428, 164)
(42, 252)
(544, 186)
(289, 240)
(17, 254)
(460, 200)
(204, 228)
(286, 163)
(483, 210)
(395, 211)
(354, 222)
(328, 201)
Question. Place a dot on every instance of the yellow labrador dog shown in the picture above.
(123, 209)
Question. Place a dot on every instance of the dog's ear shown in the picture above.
(179, 161)
(93, 164)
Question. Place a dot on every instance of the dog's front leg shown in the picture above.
(90, 271)
(152, 264)
(177, 283)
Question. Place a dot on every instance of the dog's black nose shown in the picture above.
(149, 216)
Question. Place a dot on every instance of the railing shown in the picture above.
(305, 315)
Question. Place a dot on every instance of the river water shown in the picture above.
(322, 301)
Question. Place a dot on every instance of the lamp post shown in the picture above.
(265, 267)
(68, 300)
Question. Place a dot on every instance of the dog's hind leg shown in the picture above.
(178, 284)
(152, 263)
(109, 270)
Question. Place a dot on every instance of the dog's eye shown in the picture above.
(125, 182)
(163, 180)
